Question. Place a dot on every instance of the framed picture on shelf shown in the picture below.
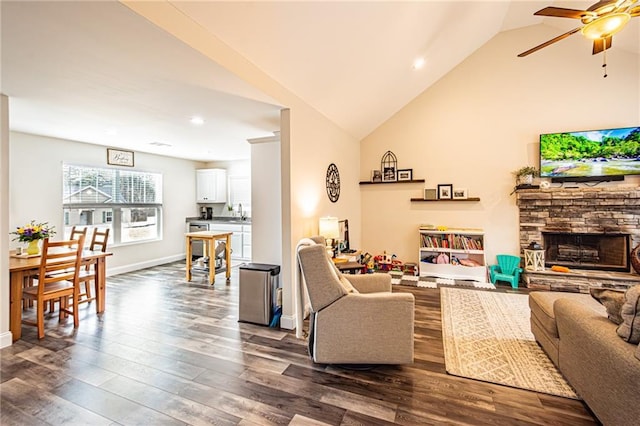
(430, 194)
(376, 176)
(445, 191)
(460, 193)
(405, 174)
(389, 174)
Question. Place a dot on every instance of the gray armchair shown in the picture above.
(355, 319)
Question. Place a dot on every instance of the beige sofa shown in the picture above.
(355, 319)
(573, 329)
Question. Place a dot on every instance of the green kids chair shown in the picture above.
(508, 269)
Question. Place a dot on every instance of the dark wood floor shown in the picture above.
(170, 352)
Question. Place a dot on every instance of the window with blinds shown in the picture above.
(127, 201)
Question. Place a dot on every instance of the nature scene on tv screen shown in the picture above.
(607, 152)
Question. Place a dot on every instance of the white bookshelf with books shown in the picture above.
(455, 254)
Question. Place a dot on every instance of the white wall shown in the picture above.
(266, 229)
(482, 121)
(5, 335)
(36, 193)
(308, 145)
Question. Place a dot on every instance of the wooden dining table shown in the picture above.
(22, 267)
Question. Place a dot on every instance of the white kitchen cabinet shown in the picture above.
(211, 186)
(236, 237)
(246, 242)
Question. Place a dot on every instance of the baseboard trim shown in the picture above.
(288, 322)
(6, 339)
(143, 265)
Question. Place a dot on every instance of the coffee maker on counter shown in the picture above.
(206, 213)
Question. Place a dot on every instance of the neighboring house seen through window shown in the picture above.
(126, 201)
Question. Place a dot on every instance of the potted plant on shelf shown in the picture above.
(524, 175)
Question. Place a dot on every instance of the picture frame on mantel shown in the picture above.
(118, 157)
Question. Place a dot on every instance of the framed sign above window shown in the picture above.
(118, 157)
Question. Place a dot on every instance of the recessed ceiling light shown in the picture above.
(418, 63)
(198, 121)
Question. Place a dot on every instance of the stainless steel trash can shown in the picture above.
(259, 284)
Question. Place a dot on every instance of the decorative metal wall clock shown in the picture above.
(333, 183)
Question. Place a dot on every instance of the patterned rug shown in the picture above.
(398, 278)
(487, 337)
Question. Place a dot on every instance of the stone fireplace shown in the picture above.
(603, 252)
(590, 230)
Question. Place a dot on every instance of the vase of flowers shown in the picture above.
(32, 234)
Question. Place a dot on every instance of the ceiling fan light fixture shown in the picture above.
(605, 26)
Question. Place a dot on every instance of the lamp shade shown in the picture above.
(328, 227)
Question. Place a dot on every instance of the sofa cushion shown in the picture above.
(638, 352)
(541, 304)
(612, 300)
(629, 329)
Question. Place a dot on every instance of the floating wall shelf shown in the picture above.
(366, 182)
(420, 200)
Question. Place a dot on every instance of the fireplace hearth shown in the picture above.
(604, 252)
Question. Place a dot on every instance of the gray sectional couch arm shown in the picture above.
(600, 365)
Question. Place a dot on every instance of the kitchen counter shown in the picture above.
(223, 219)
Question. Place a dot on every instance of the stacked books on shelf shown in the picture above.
(451, 241)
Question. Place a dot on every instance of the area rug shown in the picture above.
(398, 278)
(487, 337)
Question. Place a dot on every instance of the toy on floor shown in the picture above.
(387, 263)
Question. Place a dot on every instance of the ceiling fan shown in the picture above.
(600, 22)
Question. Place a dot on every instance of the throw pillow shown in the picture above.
(629, 330)
(612, 300)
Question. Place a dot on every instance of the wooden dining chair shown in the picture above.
(88, 273)
(76, 233)
(57, 279)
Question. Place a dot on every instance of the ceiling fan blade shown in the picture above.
(600, 44)
(547, 43)
(561, 12)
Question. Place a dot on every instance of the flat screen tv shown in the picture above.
(592, 155)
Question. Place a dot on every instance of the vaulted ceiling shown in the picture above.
(97, 72)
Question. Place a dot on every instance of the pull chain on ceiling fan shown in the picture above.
(601, 21)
